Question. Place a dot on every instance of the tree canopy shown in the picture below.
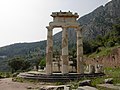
(18, 64)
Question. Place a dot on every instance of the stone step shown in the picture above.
(57, 77)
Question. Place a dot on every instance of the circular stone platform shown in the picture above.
(57, 77)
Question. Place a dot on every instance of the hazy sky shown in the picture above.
(25, 20)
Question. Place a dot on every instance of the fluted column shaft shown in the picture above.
(80, 67)
(65, 59)
(49, 51)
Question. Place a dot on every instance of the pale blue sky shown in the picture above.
(25, 20)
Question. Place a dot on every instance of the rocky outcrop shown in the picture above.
(100, 21)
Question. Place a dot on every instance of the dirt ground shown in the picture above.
(8, 84)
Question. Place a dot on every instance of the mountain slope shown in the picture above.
(22, 48)
(98, 22)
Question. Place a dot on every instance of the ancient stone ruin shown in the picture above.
(64, 20)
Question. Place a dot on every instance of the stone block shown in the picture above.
(91, 69)
(85, 83)
(87, 88)
(109, 80)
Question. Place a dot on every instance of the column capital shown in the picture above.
(65, 27)
(79, 28)
(49, 27)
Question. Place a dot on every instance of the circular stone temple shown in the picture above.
(64, 20)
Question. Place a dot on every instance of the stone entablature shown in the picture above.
(64, 19)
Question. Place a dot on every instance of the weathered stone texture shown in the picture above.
(64, 20)
(111, 60)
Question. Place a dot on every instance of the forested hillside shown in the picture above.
(100, 29)
(22, 48)
(99, 22)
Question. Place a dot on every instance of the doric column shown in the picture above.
(80, 66)
(65, 59)
(49, 51)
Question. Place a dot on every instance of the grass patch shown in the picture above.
(102, 52)
(97, 80)
(59, 83)
(18, 79)
(113, 73)
(5, 74)
(110, 73)
(74, 84)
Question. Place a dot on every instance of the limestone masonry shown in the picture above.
(64, 20)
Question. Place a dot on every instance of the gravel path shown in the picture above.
(8, 84)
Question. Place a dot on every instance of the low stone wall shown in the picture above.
(112, 60)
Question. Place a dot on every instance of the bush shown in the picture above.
(42, 63)
(18, 64)
(110, 44)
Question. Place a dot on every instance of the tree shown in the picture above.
(87, 47)
(42, 63)
(18, 63)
